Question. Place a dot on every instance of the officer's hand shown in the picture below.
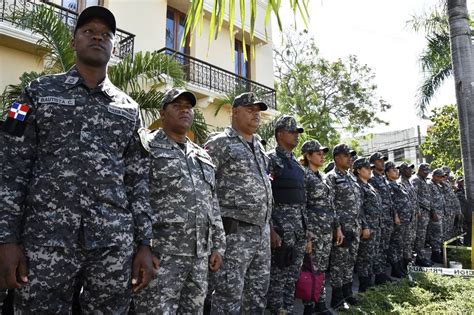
(309, 247)
(13, 270)
(434, 217)
(397, 219)
(275, 239)
(418, 215)
(156, 264)
(215, 261)
(142, 268)
(339, 236)
(365, 234)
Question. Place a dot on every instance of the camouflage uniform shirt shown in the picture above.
(186, 216)
(78, 173)
(380, 184)
(423, 193)
(238, 168)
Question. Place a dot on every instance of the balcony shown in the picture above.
(215, 79)
(124, 41)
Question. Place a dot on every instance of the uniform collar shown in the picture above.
(74, 78)
(288, 155)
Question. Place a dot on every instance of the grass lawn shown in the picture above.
(427, 294)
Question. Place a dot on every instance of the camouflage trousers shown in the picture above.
(448, 224)
(421, 232)
(387, 226)
(369, 257)
(179, 287)
(106, 274)
(241, 284)
(281, 294)
(436, 235)
(343, 258)
(3, 296)
(408, 237)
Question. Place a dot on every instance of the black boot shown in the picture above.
(437, 257)
(423, 262)
(308, 309)
(337, 299)
(396, 272)
(321, 309)
(403, 270)
(364, 283)
(347, 291)
(382, 278)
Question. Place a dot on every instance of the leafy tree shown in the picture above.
(442, 141)
(131, 74)
(326, 97)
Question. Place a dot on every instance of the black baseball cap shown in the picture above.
(96, 12)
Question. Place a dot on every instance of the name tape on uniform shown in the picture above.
(442, 271)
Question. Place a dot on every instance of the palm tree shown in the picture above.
(435, 60)
(131, 74)
(195, 17)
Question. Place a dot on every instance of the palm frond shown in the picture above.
(428, 89)
(12, 91)
(55, 36)
(200, 128)
(132, 73)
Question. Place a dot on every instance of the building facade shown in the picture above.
(398, 146)
(212, 70)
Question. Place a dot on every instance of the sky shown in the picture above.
(376, 31)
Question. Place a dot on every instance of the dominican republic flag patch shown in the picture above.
(18, 111)
(16, 122)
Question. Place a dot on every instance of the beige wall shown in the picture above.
(13, 63)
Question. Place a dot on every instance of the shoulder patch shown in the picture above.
(15, 123)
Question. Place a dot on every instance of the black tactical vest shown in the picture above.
(288, 186)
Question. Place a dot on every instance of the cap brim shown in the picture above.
(384, 158)
(262, 105)
(300, 130)
(96, 12)
(324, 149)
(353, 153)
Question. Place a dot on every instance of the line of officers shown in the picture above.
(246, 215)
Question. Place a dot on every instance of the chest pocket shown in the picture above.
(208, 171)
(166, 182)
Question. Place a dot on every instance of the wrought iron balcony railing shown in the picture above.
(124, 40)
(208, 76)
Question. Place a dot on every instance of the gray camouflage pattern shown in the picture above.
(75, 182)
(436, 236)
(82, 177)
(289, 221)
(380, 183)
(186, 222)
(412, 226)
(179, 287)
(244, 194)
(347, 204)
(452, 209)
(241, 284)
(369, 258)
(321, 218)
(423, 193)
(53, 270)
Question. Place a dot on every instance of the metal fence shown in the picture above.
(213, 78)
(124, 42)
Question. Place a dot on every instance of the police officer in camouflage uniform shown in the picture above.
(187, 225)
(347, 203)
(405, 213)
(288, 216)
(369, 257)
(322, 221)
(379, 182)
(406, 172)
(245, 198)
(438, 205)
(74, 186)
(422, 191)
(453, 206)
